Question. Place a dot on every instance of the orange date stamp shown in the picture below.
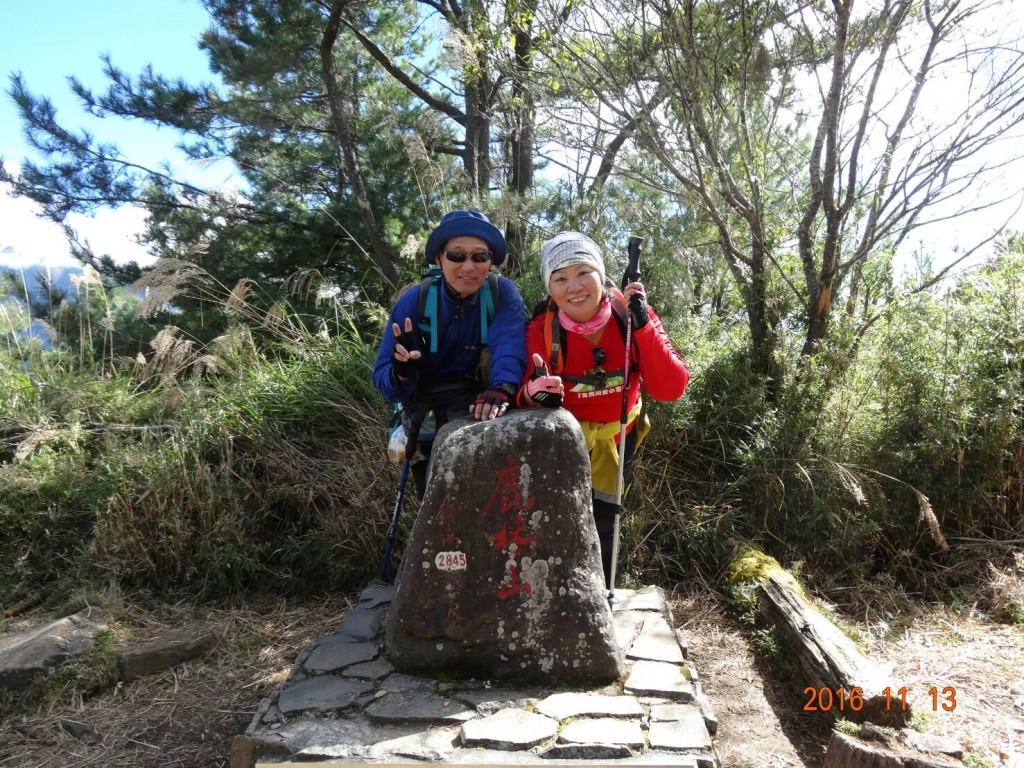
(841, 699)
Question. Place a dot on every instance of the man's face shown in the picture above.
(468, 275)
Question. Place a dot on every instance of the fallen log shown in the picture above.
(841, 680)
(848, 752)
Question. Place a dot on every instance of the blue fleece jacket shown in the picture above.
(459, 347)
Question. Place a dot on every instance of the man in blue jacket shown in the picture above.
(469, 357)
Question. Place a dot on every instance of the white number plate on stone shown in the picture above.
(450, 561)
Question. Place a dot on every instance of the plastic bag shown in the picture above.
(396, 444)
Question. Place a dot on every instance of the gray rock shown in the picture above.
(563, 705)
(627, 626)
(322, 693)
(509, 729)
(586, 752)
(174, 647)
(687, 733)
(81, 731)
(657, 642)
(933, 744)
(434, 745)
(361, 624)
(647, 599)
(417, 708)
(376, 594)
(26, 654)
(710, 719)
(369, 670)
(487, 701)
(334, 653)
(657, 678)
(406, 684)
(603, 730)
(501, 576)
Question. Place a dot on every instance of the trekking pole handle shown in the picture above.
(632, 273)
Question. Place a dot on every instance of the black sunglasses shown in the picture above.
(599, 356)
(478, 257)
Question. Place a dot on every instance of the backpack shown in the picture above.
(554, 336)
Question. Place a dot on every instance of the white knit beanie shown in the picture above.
(566, 249)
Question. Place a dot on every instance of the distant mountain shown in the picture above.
(37, 275)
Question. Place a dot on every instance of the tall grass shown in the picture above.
(251, 461)
(251, 456)
(909, 466)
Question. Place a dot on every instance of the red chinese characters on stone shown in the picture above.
(507, 495)
(513, 584)
(509, 502)
(503, 539)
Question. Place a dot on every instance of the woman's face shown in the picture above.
(577, 290)
(466, 276)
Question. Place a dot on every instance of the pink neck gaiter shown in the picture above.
(594, 324)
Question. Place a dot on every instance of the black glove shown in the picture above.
(543, 389)
(638, 310)
(406, 369)
(502, 394)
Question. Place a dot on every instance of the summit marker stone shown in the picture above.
(501, 576)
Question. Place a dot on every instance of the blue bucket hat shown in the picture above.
(466, 223)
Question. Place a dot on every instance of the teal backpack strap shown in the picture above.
(488, 305)
(430, 306)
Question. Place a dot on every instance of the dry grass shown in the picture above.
(978, 663)
(189, 715)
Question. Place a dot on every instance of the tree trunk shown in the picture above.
(841, 681)
(849, 752)
(382, 256)
(829, 659)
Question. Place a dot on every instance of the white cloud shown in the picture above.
(26, 240)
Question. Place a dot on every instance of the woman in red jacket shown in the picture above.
(578, 350)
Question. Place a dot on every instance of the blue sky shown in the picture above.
(48, 40)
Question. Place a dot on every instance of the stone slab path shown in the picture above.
(344, 703)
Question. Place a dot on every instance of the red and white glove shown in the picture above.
(542, 388)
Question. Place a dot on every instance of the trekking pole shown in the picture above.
(631, 275)
(397, 512)
(393, 529)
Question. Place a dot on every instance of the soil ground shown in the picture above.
(188, 716)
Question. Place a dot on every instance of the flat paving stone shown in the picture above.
(335, 653)
(361, 624)
(487, 701)
(378, 594)
(684, 734)
(417, 708)
(399, 682)
(649, 599)
(657, 678)
(563, 705)
(434, 744)
(322, 693)
(586, 752)
(627, 625)
(364, 711)
(370, 670)
(671, 711)
(509, 729)
(708, 711)
(602, 730)
(657, 642)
